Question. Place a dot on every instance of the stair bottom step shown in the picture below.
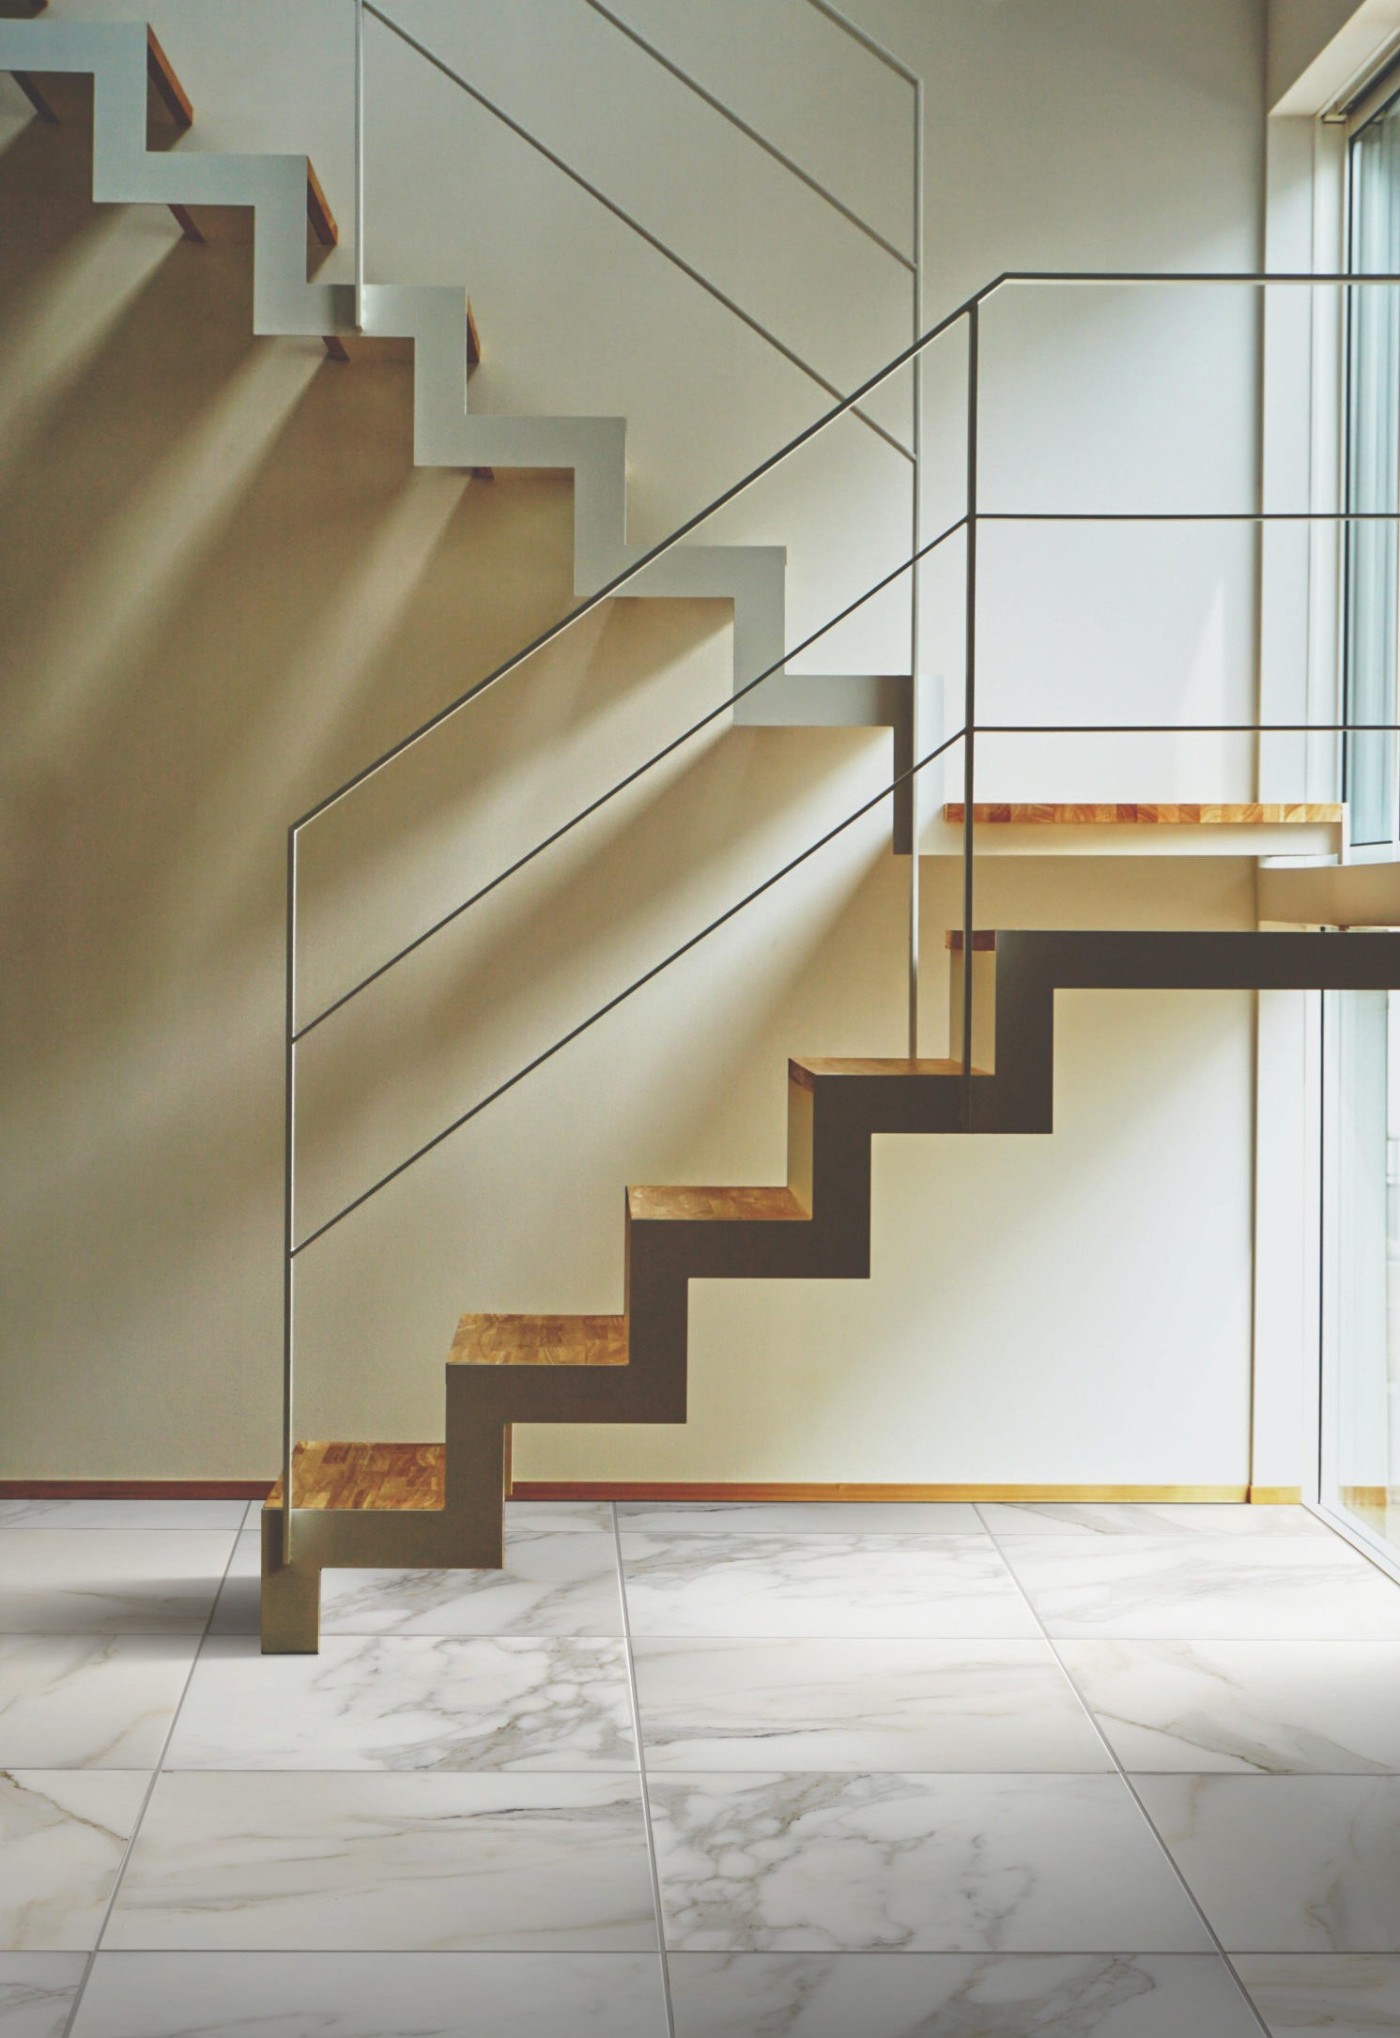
(397, 1476)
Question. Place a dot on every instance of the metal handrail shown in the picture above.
(970, 311)
(475, 1110)
(621, 785)
(1008, 279)
(654, 241)
(866, 806)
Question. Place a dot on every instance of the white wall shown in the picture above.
(253, 591)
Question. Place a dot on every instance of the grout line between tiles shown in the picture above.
(642, 1773)
(150, 1787)
(1127, 1781)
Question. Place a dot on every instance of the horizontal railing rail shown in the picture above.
(857, 813)
(621, 580)
(966, 314)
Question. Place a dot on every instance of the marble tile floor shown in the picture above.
(710, 1771)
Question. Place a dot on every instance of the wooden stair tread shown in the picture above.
(803, 1071)
(397, 1476)
(540, 1341)
(684, 1203)
(1250, 814)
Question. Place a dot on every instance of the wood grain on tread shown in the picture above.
(811, 1066)
(715, 1206)
(540, 1341)
(164, 83)
(1250, 814)
(318, 210)
(366, 1475)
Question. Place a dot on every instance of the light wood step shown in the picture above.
(688, 1205)
(1246, 814)
(391, 1476)
(540, 1341)
(807, 1070)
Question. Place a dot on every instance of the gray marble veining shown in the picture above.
(127, 1514)
(1009, 1520)
(951, 1995)
(409, 1702)
(733, 1703)
(553, 1583)
(372, 1995)
(37, 1991)
(312, 1862)
(1199, 1588)
(63, 1833)
(109, 1581)
(1269, 1706)
(917, 1864)
(850, 1586)
(1324, 1995)
(573, 1516)
(799, 1517)
(1287, 1864)
(238, 1609)
(89, 1701)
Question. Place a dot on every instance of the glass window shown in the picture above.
(1361, 1426)
(1373, 476)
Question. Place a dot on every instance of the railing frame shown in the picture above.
(973, 517)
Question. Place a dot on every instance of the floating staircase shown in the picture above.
(129, 68)
(447, 1509)
(357, 1504)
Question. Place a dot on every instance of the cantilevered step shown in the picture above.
(686, 1205)
(331, 1475)
(1138, 828)
(813, 1067)
(540, 1341)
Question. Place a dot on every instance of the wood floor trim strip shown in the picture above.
(650, 1489)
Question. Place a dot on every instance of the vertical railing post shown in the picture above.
(289, 1197)
(916, 530)
(974, 343)
(359, 166)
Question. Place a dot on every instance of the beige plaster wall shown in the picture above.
(224, 587)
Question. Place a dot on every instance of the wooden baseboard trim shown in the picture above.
(135, 1489)
(626, 1489)
(650, 1489)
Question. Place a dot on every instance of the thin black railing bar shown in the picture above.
(974, 371)
(620, 580)
(548, 841)
(653, 241)
(289, 1162)
(1259, 278)
(1185, 729)
(1188, 516)
(622, 996)
(753, 134)
(916, 529)
(1008, 278)
(866, 40)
